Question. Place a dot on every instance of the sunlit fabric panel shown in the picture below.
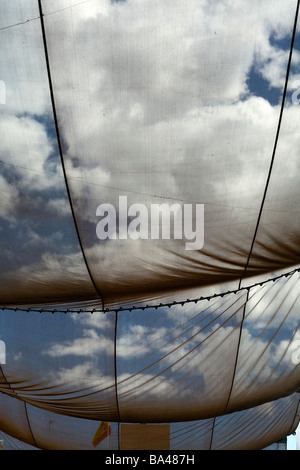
(277, 419)
(57, 432)
(156, 109)
(41, 259)
(14, 420)
(277, 238)
(177, 364)
(268, 356)
(210, 358)
(252, 429)
(61, 363)
(111, 109)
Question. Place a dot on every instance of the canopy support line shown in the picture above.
(237, 353)
(29, 425)
(116, 376)
(15, 394)
(296, 416)
(276, 140)
(61, 151)
(212, 433)
(146, 307)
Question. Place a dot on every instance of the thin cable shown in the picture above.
(237, 354)
(38, 17)
(18, 24)
(61, 151)
(116, 375)
(276, 140)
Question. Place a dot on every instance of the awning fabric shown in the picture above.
(118, 119)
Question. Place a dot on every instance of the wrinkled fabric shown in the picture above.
(253, 429)
(160, 111)
(162, 105)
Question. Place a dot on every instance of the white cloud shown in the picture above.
(83, 375)
(90, 344)
(143, 115)
(25, 148)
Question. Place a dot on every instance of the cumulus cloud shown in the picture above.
(83, 374)
(156, 108)
(25, 149)
(90, 344)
